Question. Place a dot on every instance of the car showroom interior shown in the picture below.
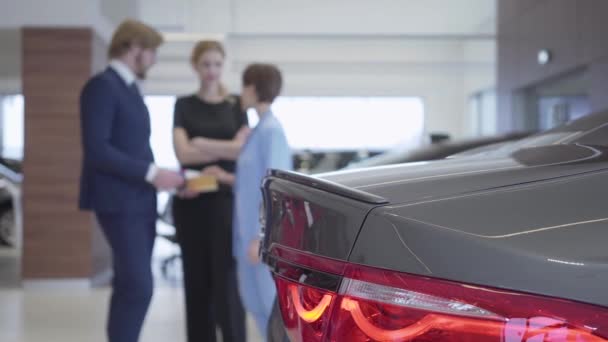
(281, 170)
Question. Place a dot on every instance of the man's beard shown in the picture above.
(141, 75)
(141, 69)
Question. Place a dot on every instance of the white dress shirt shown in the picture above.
(130, 78)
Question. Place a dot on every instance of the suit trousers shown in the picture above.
(131, 238)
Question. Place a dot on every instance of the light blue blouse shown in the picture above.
(266, 148)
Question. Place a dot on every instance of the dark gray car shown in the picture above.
(505, 245)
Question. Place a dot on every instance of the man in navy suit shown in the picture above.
(119, 178)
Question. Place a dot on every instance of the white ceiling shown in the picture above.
(311, 39)
(323, 17)
(184, 18)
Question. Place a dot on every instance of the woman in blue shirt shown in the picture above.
(266, 148)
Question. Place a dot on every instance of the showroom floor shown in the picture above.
(76, 316)
(57, 312)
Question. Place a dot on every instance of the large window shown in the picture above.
(350, 123)
(161, 117)
(311, 123)
(317, 123)
(11, 116)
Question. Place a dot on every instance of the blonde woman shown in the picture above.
(209, 130)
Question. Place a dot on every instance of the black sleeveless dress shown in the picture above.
(204, 229)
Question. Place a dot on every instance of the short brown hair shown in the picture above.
(266, 78)
(132, 32)
(206, 45)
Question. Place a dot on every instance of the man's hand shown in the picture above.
(187, 194)
(217, 172)
(167, 179)
(213, 170)
(254, 252)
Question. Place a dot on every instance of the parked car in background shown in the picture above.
(10, 194)
(508, 244)
(312, 162)
(436, 151)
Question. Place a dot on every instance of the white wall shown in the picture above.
(442, 71)
(363, 17)
(63, 13)
(118, 10)
(441, 50)
(413, 17)
(100, 15)
(36, 13)
(478, 79)
(10, 61)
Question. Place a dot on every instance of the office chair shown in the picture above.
(170, 265)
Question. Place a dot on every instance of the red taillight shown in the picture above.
(305, 310)
(383, 313)
(379, 305)
(371, 312)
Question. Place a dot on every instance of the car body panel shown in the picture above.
(409, 183)
(538, 219)
(311, 219)
(546, 238)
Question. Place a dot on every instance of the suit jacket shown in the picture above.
(115, 126)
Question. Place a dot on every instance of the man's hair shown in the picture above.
(267, 80)
(132, 32)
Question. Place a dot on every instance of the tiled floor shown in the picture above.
(72, 313)
(9, 268)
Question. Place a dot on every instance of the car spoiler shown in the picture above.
(328, 186)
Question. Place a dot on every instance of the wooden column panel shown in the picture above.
(57, 237)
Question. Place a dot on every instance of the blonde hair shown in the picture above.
(131, 32)
(204, 46)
